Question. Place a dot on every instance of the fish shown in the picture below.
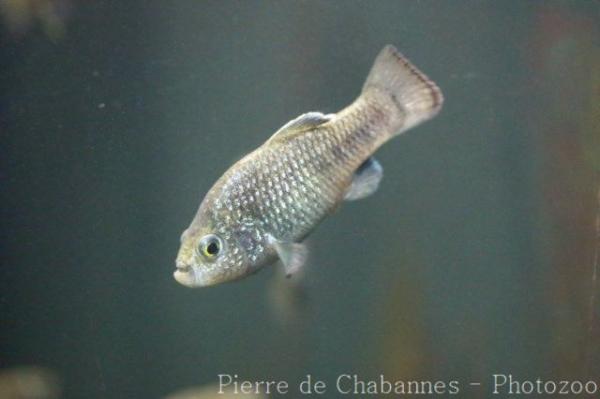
(264, 206)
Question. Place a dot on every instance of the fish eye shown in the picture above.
(210, 246)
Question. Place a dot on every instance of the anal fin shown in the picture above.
(366, 180)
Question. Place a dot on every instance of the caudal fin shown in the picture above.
(393, 75)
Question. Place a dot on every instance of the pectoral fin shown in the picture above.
(366, 180)
(292, 254)
(301, 124)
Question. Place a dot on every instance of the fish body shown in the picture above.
(262, 208)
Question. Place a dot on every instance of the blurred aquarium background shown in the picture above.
(476, 255)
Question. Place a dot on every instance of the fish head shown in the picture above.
(209, 256)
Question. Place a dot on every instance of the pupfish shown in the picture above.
(267, 203)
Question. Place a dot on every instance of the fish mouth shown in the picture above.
(184, 268)
(185, 275)
(191, 276)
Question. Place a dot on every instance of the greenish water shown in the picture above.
(474, 257)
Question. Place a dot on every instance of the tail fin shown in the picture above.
(417, 97)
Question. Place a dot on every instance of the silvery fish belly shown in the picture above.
(262, 208)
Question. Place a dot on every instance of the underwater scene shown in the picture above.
(292, 199)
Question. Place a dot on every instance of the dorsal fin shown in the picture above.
(304, 122)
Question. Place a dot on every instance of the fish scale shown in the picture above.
(324, 183)
(268, 202)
